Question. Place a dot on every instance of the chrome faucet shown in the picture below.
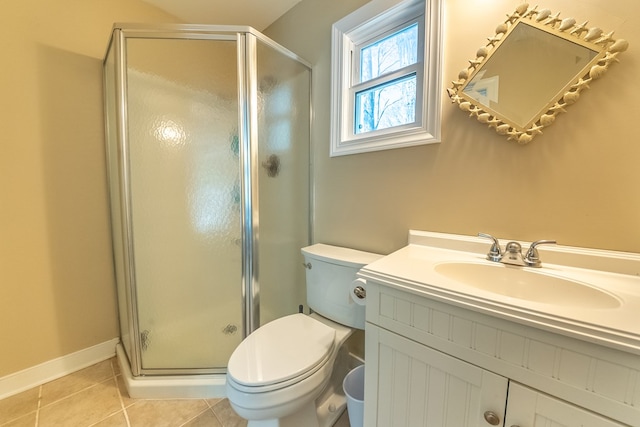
(512, 253)
(532, 258)
(495, 253)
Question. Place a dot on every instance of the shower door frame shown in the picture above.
(246, 53)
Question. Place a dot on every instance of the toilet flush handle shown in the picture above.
(360, 292)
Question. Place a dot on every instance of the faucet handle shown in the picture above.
(532, 258)
(495, 253)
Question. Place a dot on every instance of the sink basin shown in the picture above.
(526, 284)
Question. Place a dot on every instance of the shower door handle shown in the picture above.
(272, 165)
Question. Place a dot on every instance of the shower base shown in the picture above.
(170, 386)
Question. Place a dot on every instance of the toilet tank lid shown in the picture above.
(340, 255)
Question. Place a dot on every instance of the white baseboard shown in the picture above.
(56, 368)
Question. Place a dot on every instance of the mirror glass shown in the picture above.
(531, 67)
(536, 65)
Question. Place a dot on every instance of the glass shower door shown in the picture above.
(283, 120)
(183, 170)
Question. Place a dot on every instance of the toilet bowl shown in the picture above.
(281, 383)
(283, 374)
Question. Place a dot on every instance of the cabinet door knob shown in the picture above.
(492, 418)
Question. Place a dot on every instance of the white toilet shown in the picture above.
(282, 375)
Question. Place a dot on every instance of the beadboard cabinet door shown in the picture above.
(530, 408)
(412, 385)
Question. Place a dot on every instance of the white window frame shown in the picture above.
(373, 21)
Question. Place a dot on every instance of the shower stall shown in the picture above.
(208, 155)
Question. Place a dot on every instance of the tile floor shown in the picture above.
(96, 396)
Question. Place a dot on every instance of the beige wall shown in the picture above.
(56, 284)
(577, 183)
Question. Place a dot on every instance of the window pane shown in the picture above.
(389, 54)
(387, 105)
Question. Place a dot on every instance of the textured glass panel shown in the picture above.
(283, 132)
(184, 168)
(387, 105)
(389, 54)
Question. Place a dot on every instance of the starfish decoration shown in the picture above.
(457, 84)
(558, 108)
(513, 135)
(494, 122)
(611, 57)
(513, 17)
(493, 40)
(474, 111)
(531, 12)
(553, 19)
(579, 29)
(581, 84)
(606, 38)
(536, 129)
(454, 96)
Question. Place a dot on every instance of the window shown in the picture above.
(386, 88)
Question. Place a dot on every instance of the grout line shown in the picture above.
(105, 418)
(54, 402)
(124, 409)
(208, 402)
(115, 381)
(39, 404)
(66, 396)
(215, 415)
(197, 415)
(24, 415)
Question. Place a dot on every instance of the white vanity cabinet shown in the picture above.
(414, 385)
(437, 363)
(528, 407)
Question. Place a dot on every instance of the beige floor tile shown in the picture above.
(214, 401)
(65, 386)
(206, 419)
(116, 420)
(126, 400)
(19, 405)
(91, 397)
(84, 408)
(227, 415)
(25, 421)
(167, 413)
(115, 366)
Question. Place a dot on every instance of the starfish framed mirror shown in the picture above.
(535, 66)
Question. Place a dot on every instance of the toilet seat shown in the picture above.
(284, 351)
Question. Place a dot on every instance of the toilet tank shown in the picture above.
(330, 272)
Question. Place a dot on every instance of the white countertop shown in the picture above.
(412, 269)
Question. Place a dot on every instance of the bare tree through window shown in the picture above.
(392, 103)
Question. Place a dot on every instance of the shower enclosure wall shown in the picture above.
(208, 159)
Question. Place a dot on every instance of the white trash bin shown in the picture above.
(353, 386)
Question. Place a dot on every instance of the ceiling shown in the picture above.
(256, 13)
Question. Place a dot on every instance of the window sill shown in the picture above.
(381, 142)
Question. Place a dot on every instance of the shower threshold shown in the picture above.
(204, 386)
